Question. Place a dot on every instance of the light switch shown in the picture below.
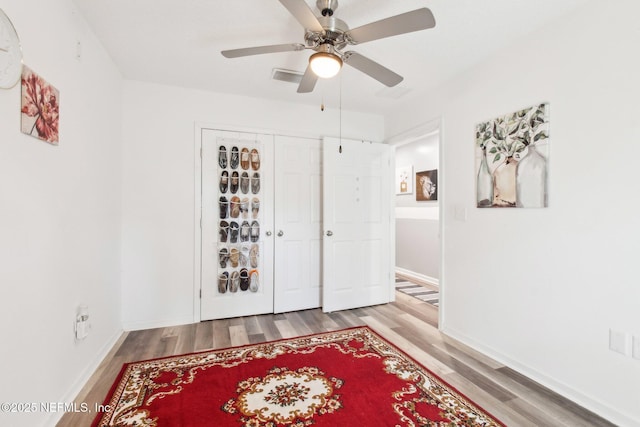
(635, 349)
(460, 213)
(618, 342)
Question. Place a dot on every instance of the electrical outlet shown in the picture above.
(635, 349)
(618, 342)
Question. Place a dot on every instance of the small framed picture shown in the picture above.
(427, 185)
(404, 180)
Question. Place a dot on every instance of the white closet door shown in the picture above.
(298, 223)
(357, 261)
(237, 253)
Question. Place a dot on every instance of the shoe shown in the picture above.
(244, 231)
(244, 279)
(244, 183)
(255, 231)
(235, 182)
(222, 156)
(223, 231)
(244, 159)
(234, 207)
(234, 282)
(255, 207)
(224, 181)
(244, 208)
(255, 160)
(234, 158)
(233, 232)
(224, 207)
(234, 257)
(244, 256)
(223, 255)
(255, 183)
(253, 281)
(254, 255)
(223, 281)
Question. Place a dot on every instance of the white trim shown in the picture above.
(74, 392)
(426, 213)
(160, 323)
(587, 402)
(417, 276)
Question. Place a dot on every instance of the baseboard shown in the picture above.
(418, 276)
(161, 323)
(589, 403)
(77, 387)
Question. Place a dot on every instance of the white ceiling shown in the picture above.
(178, 42)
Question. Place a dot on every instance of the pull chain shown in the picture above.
(340, 148)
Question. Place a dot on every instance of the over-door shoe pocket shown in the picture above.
(234, 158)
(233, 232)
(244, 279)
(255, 231)
(255, 207)
(255, 183)
(224, 231)
(254, 255)
(254, 281)
(224, 181)
(223, 280)
(223, 254)
(235, 207)
(244, 159)
(234, 282)
(244, 182)
(235, 182)
(234, 257)
(244, 208)
(244, 231)
(224, 207)
(255, 160)
(222, 156)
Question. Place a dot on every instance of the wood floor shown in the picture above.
(409, 323)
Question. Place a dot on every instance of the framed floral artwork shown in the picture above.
(512, 153)
(39, 107)
(427, 185)
(404, 180)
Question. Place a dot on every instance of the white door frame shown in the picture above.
(413, 134)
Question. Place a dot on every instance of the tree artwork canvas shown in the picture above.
(39, 107)
(512, 153)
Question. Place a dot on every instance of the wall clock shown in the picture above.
(10, 53)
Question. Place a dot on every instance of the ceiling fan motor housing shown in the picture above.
(327, 7)
(333, 34)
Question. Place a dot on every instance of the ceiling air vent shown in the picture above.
(286, 75)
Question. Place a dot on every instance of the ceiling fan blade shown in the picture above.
(372, 68)
(308, 81)
(419, 19)
(259, 50)
(303, 13)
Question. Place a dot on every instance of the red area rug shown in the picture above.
(342, 378)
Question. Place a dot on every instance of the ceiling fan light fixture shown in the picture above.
(325, 64)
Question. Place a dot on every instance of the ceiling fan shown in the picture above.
(328, 36)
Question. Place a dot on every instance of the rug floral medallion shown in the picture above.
(348, 377)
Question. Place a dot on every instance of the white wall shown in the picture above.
(158, 196)
(59, 215)
(539, 289)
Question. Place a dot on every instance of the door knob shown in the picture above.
(329, 233)
(280, 233)
(268, 233)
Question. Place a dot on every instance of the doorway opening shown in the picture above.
(418, 195)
